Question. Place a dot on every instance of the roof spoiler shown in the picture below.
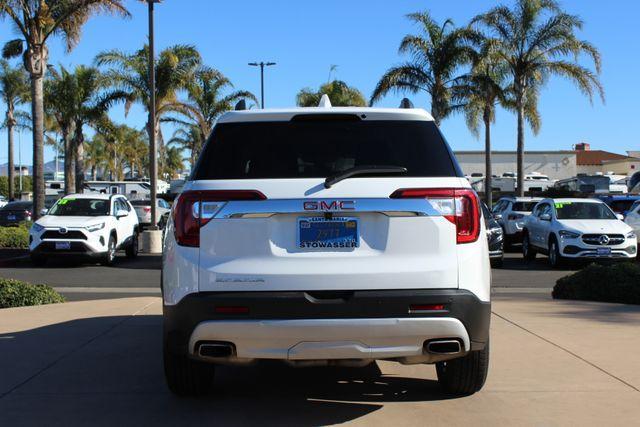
(241, 105)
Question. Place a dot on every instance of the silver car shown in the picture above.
(143, 209)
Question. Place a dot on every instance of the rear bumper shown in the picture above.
(298, 326)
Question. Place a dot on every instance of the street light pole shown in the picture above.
(153, 158)
(262, 65)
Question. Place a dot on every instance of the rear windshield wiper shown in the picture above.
(362, 170)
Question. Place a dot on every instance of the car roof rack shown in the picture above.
(406, 103)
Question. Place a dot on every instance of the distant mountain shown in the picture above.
(48, 167)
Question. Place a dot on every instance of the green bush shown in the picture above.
(607, 283)
(14, 293)
(15, 237)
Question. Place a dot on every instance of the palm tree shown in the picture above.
(127, 74)
(206, 102)
(340, 94)
(14, 90)
(174, 162)
(188, 137)
(36, 21)
(536, 40)
(96, 155)
(436, 56)
(75, 99)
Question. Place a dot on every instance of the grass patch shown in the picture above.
(15, 293)
(15, 237)
(618, 283)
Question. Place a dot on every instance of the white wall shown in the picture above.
(555, 164)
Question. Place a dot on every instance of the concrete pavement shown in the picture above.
(99, 363)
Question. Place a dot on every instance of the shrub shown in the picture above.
(15, 237)
(4, 185)
(14, 293)
(607, 283)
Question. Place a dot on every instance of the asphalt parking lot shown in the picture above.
(141, 276)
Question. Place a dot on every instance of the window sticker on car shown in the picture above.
(561, 205)
(63, 201)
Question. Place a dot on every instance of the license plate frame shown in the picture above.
(11, 217)
(603, 251)
(346, 230)
(63, 246)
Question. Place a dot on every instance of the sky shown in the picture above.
(361, 37)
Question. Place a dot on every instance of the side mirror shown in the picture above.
(121, 213)
(620, 217)
(545, 217)
(44, 211)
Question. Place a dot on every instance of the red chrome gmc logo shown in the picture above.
(336, 205)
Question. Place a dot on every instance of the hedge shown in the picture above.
(14, 293)
(15, 237)
(618, 283)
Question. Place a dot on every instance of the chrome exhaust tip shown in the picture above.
(216, 350)
(443, 347)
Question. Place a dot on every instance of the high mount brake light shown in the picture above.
(194, 209)
(458, 205)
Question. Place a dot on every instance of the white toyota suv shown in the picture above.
(326, 236)
(88, 225)
(510, 212)
(577, 229)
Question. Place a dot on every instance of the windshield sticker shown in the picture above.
(561, 205)
(63, 202)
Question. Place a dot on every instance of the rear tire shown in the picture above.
(132, 249)
(466, 375)
(185, 376)
(38, 260)
(528, 252)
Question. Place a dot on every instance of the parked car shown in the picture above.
(510, 212)
(143, 210)
(620, 204)
(633, 218)
(14, 213)
(89, 225)
(3, 201)
(326, 236)
(494, 237)
(577, 229)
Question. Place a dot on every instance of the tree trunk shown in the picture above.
(10, 167)
(37, 114)
(488, 178)
(78, 143)
(94, 173)
(69, 155)
(520, 155)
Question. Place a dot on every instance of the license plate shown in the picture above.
(11, 217)
(60, 246)
(603, 251)
(322, 233)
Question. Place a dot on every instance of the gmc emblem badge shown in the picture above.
(335, 205)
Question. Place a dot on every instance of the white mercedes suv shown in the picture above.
(577, 229)
(326, 236)
(85, 225)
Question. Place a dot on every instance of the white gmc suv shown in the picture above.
(326, 236)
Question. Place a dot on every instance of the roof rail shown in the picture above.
(406, 103)
(241, 105)
(325, 102)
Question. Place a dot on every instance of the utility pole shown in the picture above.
(261, 65)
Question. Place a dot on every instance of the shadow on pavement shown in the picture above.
(108, 371)
(142, 262)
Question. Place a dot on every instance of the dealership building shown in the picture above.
(554, 164)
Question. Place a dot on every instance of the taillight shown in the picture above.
(194, 209)
(458, 205)
(147, 209)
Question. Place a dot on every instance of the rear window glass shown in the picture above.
(320, 148)
(140, 202)
(523, 206)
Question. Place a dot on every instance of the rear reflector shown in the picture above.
(425, 307)
(232, 310)
(194, 209)
(458, 205)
